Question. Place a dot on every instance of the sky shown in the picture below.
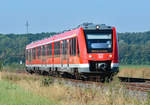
(59, 15)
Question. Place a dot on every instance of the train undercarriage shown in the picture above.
(103, 75)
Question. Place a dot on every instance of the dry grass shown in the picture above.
(111, 94)
(135, 72)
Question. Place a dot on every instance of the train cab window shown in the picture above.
(38, 52)
(99, 41)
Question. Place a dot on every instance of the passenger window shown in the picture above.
(34, 53)
(43, 51)
(38, 52)
(77, 47)
(57, 49)
(74, 47)
(51, 49)
(26, 54)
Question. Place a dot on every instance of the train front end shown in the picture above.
(102, 49)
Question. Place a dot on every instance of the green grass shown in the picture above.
(11, 94)
(13, 67)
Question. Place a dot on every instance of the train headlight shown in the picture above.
(97, 27)
(110, 56)
(90, 56)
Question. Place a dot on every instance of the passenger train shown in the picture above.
(88, 50)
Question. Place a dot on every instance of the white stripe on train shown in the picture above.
(70, 65)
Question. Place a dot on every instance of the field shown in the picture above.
(23, 89)
(135, 71)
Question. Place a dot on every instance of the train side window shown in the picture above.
(38, 52)
(26, 54)
(34, 53)
(56, 49)
(74, 48)
(43, 51)
(77, 47)
(61, 47)
(29, 54)
(70, 46)
(50, 49)
(65, 47)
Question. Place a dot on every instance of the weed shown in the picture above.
(47, 81)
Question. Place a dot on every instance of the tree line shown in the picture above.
(134, 48)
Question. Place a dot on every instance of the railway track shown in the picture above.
(144, 87)
(134, 84)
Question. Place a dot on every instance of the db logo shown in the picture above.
(100, 56)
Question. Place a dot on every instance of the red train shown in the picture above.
(88, 50)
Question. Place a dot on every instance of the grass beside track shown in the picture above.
(135, 71)
(134, 66)
(38, 90)
(12, 94)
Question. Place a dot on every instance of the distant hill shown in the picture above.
(12, 46)
(134, 48)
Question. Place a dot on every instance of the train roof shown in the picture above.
(58, 37)
(68, 34)
(91, 26)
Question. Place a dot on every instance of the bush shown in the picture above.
(1, 66)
